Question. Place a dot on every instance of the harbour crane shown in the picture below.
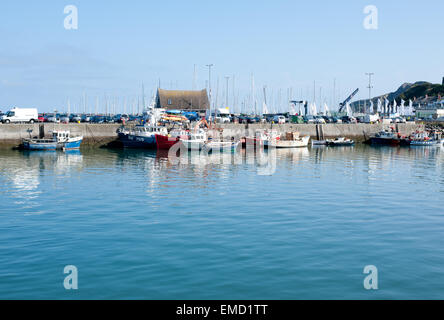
(343, 104)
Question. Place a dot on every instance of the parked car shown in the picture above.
(309, 119)
(327, 119)
(55, 118)
(336, 120)
(98, 119)
(75, 118)
(64, 118)
(347, 119)
(110, 119)
(279, 119)
(360, 119)
(243, 119)
(319, 120)
(86, 118)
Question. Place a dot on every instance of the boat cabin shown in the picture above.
(60, 135)
(150, 130)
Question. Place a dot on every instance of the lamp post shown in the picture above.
(226, 100)
(370, 88)
(209, 84)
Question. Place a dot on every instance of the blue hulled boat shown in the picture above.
(141, 136)
(61, 140)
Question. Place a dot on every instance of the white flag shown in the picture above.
(379, 108)
(326, 110)
(372, 107)
(264, 108)
(402, 110)
(314, 109)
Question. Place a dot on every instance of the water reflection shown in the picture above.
(22, 173)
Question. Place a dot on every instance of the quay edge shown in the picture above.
(97, 135)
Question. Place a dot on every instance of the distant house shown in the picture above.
(182, 100)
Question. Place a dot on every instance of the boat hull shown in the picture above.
(50, 146)
(389, 142)
(41, 145)
(426, 143)
(340, 144)
(72, 144)
(300, 143)
(165, 142)
(137, 142)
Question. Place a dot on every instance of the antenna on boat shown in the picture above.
(143, 96)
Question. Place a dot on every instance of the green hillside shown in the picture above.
(421, 89)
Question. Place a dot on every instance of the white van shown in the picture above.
(21, 115)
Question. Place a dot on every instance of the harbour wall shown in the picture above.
(102, 134)
(94, 134)
(358, 131)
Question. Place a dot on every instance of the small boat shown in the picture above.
(318, 143)
(426, 139)
(220, 146)
(195, 140)
(290, 140)
(61, 140)
(141, 136)
(341, 141)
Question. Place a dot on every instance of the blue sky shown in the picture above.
(285, 44)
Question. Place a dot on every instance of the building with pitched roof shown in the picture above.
(182, 100)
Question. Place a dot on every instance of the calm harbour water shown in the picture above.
(139, 227)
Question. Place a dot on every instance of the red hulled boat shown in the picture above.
(165, 142)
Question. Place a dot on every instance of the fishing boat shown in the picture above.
(61, 140)
(290, 140)
(341, 141)
(142, 136)
(426, 139)
(259, 139)
(391, 138)
(220, 146)
(165, 142)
